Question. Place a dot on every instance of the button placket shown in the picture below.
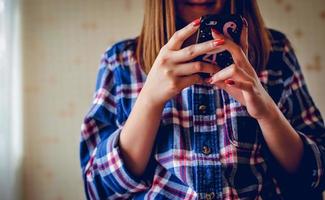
(205, 140)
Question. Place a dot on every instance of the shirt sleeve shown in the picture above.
(104, 172)
(302, 113)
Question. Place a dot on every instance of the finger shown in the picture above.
(217, 35)
(219, 84)
(178, 38)
(196, 67)
(192, 51)
(243, 85)
(231, 46)
(244, 37)
(190, 80)
(229, 72)
(236, 51)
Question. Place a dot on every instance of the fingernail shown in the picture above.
(215, 31)
(218, 42)
(230, 82)
(196, 22)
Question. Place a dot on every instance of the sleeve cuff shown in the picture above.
(311, 167)
(112, 167)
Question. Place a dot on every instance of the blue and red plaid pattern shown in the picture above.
(207, 145)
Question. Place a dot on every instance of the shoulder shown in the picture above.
(116, 57)
(276, 34)
(283, 60)
(121, 46)
(282, 56)
(279, 41)
(120, 52)
(281, 67)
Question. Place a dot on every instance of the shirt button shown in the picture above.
(202, 108)
(206, 150)
(209, 196)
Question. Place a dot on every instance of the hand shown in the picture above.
(173, 70)
(240, 79)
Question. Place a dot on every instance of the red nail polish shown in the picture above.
(196, 22)
(230, 82)
(218, 42)
(215, 31)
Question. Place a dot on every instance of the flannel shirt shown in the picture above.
(207, 145)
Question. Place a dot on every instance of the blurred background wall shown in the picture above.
(62, 42)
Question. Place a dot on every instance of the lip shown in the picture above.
(200, 2)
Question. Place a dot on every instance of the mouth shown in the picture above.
(200, 3)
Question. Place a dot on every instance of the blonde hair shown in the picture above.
(159, 24)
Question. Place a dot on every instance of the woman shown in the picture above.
(156, 130)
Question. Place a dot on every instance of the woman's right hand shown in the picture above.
(173, 70)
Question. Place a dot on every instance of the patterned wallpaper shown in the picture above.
(63, 41)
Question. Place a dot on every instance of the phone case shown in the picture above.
(229, 25)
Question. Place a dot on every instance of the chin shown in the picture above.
(189, 10)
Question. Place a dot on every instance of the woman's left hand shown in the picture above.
(240, 79)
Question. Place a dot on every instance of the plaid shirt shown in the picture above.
(207, 145)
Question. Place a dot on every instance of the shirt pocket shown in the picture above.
(242, 130)
(244, 133)
(246, 180)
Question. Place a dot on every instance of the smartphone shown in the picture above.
(229, 25)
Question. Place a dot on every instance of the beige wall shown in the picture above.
(62, 44)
